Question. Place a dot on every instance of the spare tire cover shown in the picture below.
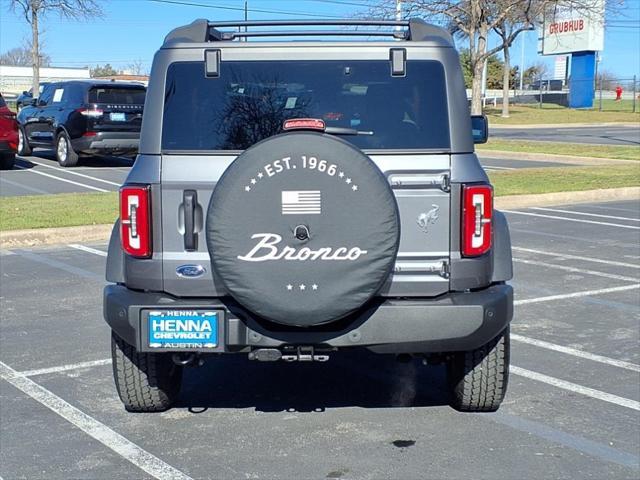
(302, 229)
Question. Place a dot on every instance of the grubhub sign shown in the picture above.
(572, 29)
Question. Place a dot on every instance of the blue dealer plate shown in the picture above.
(183, 328)
(117, 117)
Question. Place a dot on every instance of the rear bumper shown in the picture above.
(108, 142)
(8, 145)
(452, 322)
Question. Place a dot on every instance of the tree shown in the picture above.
(103, 71)
(34, 10)
(21, 57)
(136, 67)
(494, 70)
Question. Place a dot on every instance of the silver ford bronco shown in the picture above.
(292, 198)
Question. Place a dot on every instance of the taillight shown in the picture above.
(135, 220)
(90, 112)
(477, 211)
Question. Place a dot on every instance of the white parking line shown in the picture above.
(71, 172)
(587, 293)
(576, 257)
(88, 249)
(31, 170)
(577, 270)
(574, 387)
(92, 427)
(576, 353)
(568, 219)
(585, 213)
(493, 167)
(65, 368)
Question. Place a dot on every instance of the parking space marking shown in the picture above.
(23, 187)
(92, 427)
(88, 249)
(585, 213)
(65, 368)
(60, 265)
(576, 257)
(577, 270)
(576, 353)
(31, 170)
(71, 172)
(574, 387)
(493, 167)
(587, 293)
(568, 219)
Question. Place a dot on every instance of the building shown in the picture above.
(15, 80)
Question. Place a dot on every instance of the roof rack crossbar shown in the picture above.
(299, 23)
(313, 33)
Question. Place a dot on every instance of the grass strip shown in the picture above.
(61, 210)
(564, 179)
(614, 112)
(619, 152)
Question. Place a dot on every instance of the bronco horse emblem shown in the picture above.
(424, 219)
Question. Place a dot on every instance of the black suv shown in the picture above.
(91, 117)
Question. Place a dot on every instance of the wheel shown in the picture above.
(65, 155)
(24, 149)
(146, 382)
(7, 161)
(478, 378)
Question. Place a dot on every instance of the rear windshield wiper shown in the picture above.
(346, 131)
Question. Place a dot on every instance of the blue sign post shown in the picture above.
(582, 79)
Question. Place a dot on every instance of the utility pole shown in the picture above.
(398, 13)
(522, 38)
(246, 17)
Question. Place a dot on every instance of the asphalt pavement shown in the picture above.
(40, 174)
(572, 409)
(606, 135)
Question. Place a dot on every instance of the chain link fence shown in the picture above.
(617, 94)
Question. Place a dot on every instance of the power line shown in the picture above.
(241, 9)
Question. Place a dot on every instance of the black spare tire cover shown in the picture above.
(302, 229)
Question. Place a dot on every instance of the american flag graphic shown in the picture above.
(301, 202)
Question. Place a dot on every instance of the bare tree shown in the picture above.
(34, 10)
(136, 67)
(21, 57)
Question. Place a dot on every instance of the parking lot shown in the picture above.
(40, 174)
(572, 410)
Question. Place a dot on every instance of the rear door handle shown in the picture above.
(189, 201)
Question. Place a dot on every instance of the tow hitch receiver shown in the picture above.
(288, 354)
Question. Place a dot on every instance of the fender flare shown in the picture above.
(115, 257)
(502, 260)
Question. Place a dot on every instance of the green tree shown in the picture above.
(103, 71)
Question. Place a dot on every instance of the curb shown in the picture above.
(52, 236)
(98, 233)
(550, 157)
(560, 125)
(565, 198)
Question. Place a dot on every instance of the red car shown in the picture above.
(8, 136)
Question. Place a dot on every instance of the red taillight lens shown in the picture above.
(477, 211)
(135, 220)
(93, 112)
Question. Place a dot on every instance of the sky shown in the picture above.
(132, 30)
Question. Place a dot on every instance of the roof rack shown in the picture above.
(202, 31)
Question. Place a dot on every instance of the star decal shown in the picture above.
(341, 174)
(247, 188)
(348, 180)
(354, 188)
(260, 175)
(253, 181)
(314, 286)
(302, 286)
(289, 287)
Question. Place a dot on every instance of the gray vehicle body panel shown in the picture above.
(429, 267)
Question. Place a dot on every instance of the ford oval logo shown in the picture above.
(190, 271)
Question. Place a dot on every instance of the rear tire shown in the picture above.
(24, 149)
(478, 378)
(146, 382)
(7, 160)
(65, 155)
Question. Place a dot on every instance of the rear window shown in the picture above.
(249, 102)
(130, 96)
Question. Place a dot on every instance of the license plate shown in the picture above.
(117, 117)
(182, 329)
